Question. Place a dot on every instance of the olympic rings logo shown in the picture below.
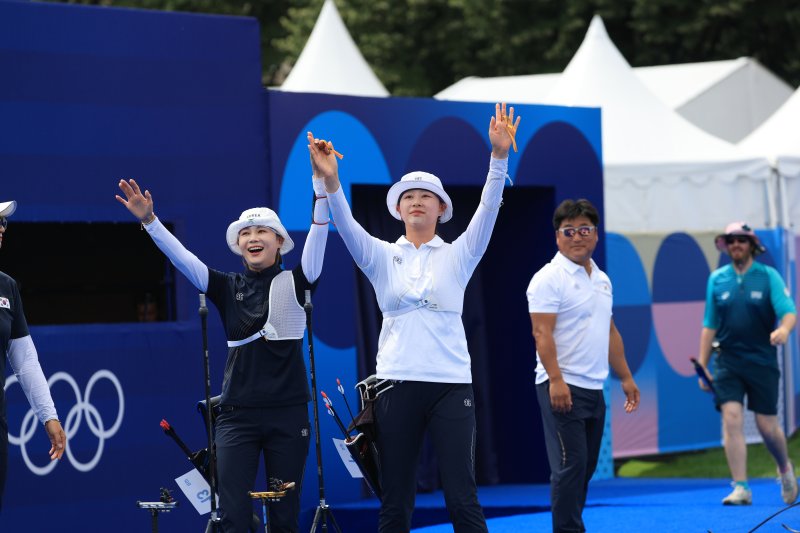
(73, 421)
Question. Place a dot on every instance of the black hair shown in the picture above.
(570, 209)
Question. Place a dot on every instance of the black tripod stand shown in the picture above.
(213, 521)
(324, 512)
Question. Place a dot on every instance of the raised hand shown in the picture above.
(323, 162)
(502, 131)
(140, 205)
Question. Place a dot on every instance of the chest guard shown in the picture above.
(286, 319)
(443, 293)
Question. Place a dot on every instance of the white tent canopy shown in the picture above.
(703, 93)
(331, 62)
(779, 139)
(661, 172)
(529, 89)
(706, 94)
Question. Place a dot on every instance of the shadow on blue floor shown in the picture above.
(617, 505)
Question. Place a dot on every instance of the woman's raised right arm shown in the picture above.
(141, 206)
(358, 241)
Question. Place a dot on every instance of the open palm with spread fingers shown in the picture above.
(502, 130)
(140, 205)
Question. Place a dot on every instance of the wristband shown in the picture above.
(148, 223)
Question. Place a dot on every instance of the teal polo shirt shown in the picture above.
(744, 310)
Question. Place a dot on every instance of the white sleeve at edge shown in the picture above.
(25, 364)
(359, 243)
(314, 251)
(184, 260)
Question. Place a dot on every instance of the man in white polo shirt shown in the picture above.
(570, 302)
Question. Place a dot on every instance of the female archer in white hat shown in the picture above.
(419, 281)
(263, 408)
(17, 344)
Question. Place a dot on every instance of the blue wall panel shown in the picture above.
(91, 95)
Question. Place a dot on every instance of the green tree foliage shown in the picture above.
(419, 47)
(679, 31)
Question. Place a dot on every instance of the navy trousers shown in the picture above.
(402, 415)
(573, 446)
(281, 434)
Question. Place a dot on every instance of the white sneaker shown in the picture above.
(739, 496)
(788, 485)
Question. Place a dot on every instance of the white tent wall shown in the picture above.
(662, 173)
(688, 197)
(779, 139)
(331, 62)
(789, 172)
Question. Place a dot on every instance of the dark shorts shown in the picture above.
(758, 382)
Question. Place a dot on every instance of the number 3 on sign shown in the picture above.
(196, 490)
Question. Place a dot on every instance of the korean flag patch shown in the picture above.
(4, 303)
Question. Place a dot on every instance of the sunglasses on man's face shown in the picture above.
(3, 222)
(730, 239)
(583, 231)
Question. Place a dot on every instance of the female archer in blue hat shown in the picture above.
(419, 281)
(263, 408)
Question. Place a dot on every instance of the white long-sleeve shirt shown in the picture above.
(17, 345)
(423, 344)
(197, 272)
(25, 364)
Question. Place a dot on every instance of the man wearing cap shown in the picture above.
(419, 282)
(17, 345)
(263, 408)
(744, 301)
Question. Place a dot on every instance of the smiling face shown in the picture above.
(259, 246)
(577, 248)
(420, 208)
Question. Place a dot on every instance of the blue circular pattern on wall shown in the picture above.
(632, 314)
(447, 140)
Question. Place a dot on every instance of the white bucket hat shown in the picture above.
(419, 180)
(258, 216)
(7, 208)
